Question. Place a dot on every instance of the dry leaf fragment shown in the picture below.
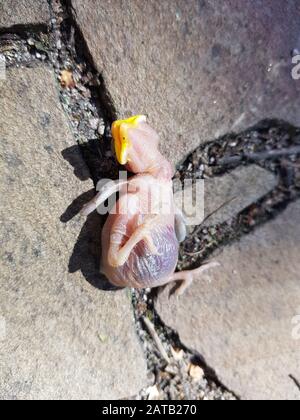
(102, 338)
(177, 353)
(195, 372)
(153, 393)
(67, 80)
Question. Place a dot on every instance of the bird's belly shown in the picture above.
(143, 268)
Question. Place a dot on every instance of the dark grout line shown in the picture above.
(24, 29)
(296, 382)
(75, 51)
(108, 108)
(209, 372)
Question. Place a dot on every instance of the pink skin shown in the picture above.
(140, 242)
(144, 155)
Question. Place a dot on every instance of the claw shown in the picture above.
(187, 278)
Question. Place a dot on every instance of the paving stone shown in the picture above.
(235, 191)
(60, 337)
(246, 322)
(198, 69)
(23, 12)
(228, 194)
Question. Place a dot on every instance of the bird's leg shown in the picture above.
(187, 277)
(151, 245)
(118, 254)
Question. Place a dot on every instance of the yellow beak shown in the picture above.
(119, 131)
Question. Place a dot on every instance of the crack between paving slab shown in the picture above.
(296, 382)
(275, 134)
(106, 99)
(195, 357)
(25, 29)
(24, 49)
(74, 56)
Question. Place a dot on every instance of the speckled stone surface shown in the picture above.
(246, 321)
(60, 337)
(198, 69)
(23, 12)
(222, 198)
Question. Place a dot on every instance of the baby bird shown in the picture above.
(140, 239)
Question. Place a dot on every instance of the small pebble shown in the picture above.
(101, 128)
(93, 122)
